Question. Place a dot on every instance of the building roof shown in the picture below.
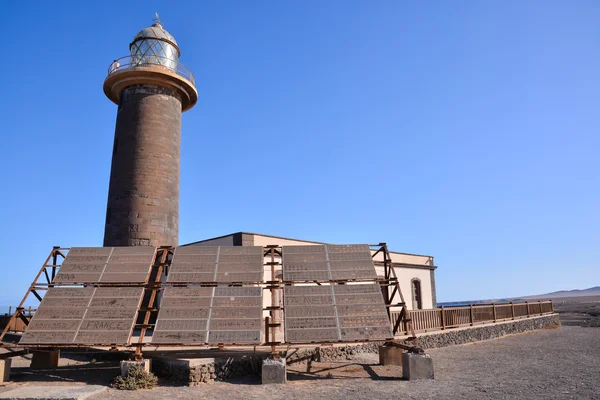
(284, 238)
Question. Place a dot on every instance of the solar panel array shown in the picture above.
(103, 315)
(106, 265)
(327, 263)
(212, 315)
(332, 313)
(207, 264)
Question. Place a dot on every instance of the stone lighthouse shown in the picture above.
(152, 88)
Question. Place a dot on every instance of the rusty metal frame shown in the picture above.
(36, 286)
(391, 280)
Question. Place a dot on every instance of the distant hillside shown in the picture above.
(593, 291)
(561, 294)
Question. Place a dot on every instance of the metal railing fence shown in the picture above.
(152, 61)
(454, 317)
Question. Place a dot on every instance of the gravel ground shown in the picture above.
(547, 364)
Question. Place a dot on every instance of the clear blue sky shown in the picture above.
(464, 130)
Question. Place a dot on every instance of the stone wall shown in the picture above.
(143, 196)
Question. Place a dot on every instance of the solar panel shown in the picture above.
(333, 313)
(92, 316)
(209, 315)
(327, 263)
(224, 264)
(106, 264)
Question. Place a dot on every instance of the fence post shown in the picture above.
(540, 303)
(494, 311)
(443, 319)
(471, 314)
(527, 304)
(512, 310)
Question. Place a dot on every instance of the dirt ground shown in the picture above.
(554, 363)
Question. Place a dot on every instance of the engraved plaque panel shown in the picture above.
(367, 333)
(240, 277)
(306, 276)
(304, 249)
(234, 324)
(53, 325)
(234, 313)
(356, 275)
(102, 337)
(350, 256)
(69, 292)
(76, 277)
(175, 337)
(303, 257)
(207, 268)
(311, 335)
(175, 277)
(237, 302)
(189, 313)
(193, 258)
(298, 266)
(361, 309)
(106, 325)
(310, 323)
(182, 324)
(124, 277)
(185, 302)
(113, 292)
(59, 313)
(73, 268)
(238, 291)
(89, 251)
(130, 259)
(188, 292)
(369, 298)
(241, 250)
(141, 268)
(313, 311)
(354, 312)
(363, 321)
(56, 337)
(352, 265)
(234, 337)
(354, 289)
(235, 316)
(308, 300)
(134, 250)
(185, 250)
(349, 248)
(308, 290)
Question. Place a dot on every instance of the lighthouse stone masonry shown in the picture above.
(152, 89)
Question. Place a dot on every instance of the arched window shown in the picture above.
(417, 297)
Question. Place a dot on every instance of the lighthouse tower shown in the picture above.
(152, 88)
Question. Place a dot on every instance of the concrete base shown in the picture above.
(5, 370)
(125, 365)
(390, 355)
(45, 359)
(274, 371)
(45, 392)
(417, 366)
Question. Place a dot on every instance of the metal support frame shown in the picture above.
(391, 281)
(274, 286)
(37, 285)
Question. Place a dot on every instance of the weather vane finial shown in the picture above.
(157, 20)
